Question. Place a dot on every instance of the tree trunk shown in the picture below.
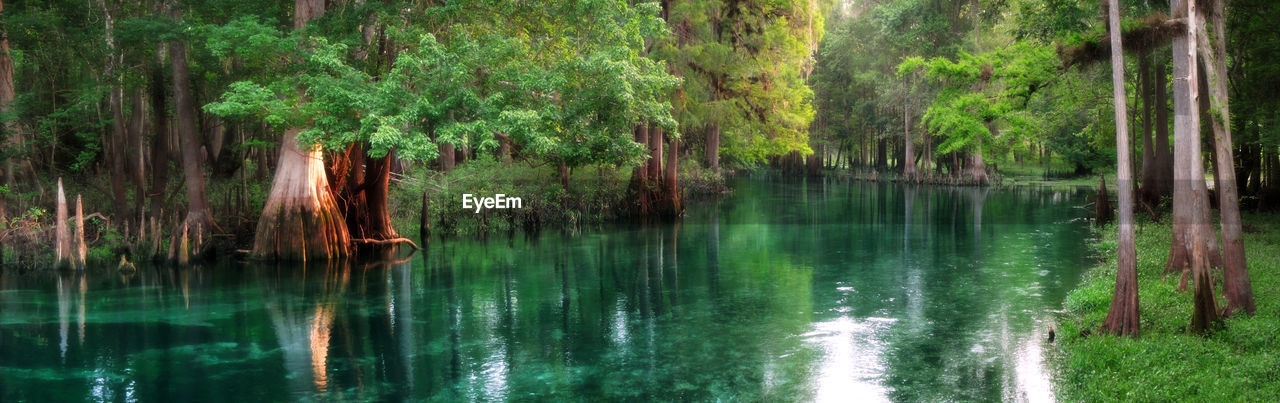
(655, 155)
(563, 170)
(447, 157)
(882, 154)
(198, 215)
(1122, 317)
(639, 186)
(78, 248)
(7, 95)
(112, 141)
(1149, 166)
(1189, 191)
(62, 235)
(1189, 177)
(1236, 284)
(13, 140)
(1162, 155)
(137, 162)
(670, 189)
(301, 220)
(160, 144)
(713, 147)
(377, 185)
(504, 148)
(975, 169)
(909, 166)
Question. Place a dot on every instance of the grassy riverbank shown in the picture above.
(1240, 362)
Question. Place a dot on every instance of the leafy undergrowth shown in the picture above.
(1238, 362)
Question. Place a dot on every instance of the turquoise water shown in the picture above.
(789, 289)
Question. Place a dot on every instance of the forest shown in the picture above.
(181, 133)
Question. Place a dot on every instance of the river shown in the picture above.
(788, 289)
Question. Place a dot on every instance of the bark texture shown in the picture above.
(1205, 312)
(198, 216)
(13, 138)
(1236, 284)
(1122, 317)
(1190, 207)
(301, 220)
(62, 234)
(670, 190)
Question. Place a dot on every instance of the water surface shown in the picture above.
(790, 289)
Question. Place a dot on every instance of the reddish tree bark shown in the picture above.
(1122, 317)
(1236, 284)
(198, 217)
(301, 220)
(639, 188)
(1205, 312)
(671, 192)
(1190, 208)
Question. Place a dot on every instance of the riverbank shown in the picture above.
(1240, 362)
(595, 194)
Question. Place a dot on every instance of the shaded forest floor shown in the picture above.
(1238, 362)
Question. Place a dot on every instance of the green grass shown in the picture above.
(1239, 362)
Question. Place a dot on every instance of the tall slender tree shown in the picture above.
(1122, 318)
(198, 216)
(1236, 284)
(1190, 196)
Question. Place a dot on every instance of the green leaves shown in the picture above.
(566, 81)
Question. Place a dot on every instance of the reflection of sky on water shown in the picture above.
(852, 364)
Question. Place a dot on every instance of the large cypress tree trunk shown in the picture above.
(1190, 195)
(1122, 317)
(1189, 176)
(975, 170)
(1236, 283)
(301, 219)
(198, 217)
(377, 183)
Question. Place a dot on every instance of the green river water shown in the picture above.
(788, 289)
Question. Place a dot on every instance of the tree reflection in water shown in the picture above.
(793, 289)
